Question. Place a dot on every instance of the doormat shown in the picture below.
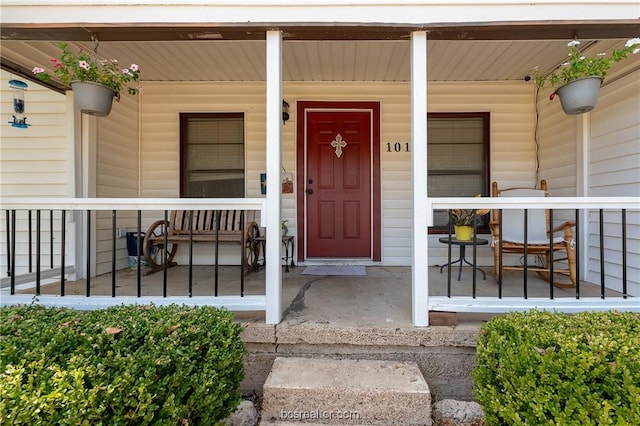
(353, 270)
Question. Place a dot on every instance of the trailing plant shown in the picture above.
(578, 66)
(83, 66)
(542, 368)
(130, 365)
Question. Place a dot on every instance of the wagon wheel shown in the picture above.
(154, 247)
(251, 247)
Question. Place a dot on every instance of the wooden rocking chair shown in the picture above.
(538, 244)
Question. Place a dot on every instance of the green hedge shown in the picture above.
(542, 368)
(130, 365)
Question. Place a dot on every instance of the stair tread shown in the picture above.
(346, 392)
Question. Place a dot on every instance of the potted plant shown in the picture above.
(283, 228)
(578, 80)
(94, 81)
(462, 220)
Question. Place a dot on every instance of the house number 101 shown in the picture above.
(398, 147)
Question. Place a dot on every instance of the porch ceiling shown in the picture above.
(318, 54)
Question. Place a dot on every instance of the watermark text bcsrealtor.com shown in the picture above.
(319, 415)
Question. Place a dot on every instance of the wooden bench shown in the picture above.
(209, 226)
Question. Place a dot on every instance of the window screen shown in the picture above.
(458, 150)
(212, 155)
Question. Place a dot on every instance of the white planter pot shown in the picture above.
(579, 96)
(93, 98)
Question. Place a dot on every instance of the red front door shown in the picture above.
(338, 183)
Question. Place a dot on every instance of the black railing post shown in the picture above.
(30, 239)
(551, 253)
(449, 254)
(8, 233)
(63, 231)
(624, 253)
(38, 230)
(190, 253)
(13, 252)
(138, 256)
(113, 252)
(475, 260)
(526, 252)
(218, 219)
(577, 249)
(242, 254)
(165, 230)
(51, 239)
(499, 271)
(88, 254)
(602, 276)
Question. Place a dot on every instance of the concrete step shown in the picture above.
(328, 391)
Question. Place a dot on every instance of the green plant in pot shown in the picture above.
(462, 220)
(84, 71)
(578, 79)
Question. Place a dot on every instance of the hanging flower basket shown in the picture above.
(93, 98)
(579, 96)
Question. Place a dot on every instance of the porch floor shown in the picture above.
(380, 299)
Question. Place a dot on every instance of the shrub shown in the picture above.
(547, 368)
(130, 365)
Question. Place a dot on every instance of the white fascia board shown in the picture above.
(409, 12)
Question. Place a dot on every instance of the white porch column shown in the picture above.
(419, 264)
(583, 139)
(273, 274)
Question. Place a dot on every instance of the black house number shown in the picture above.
(398, 147)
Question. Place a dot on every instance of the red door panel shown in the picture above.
(338, 197)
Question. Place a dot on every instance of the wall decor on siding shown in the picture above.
(579, 78)
(19, 120)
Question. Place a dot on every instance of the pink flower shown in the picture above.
(125, 71)
(84, 64)
(134, 67)
(37, 70)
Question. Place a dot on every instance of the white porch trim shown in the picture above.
(233, 303)
(510, 304)
(419, 268)
(273, 274)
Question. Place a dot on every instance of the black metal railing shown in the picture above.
(616, 216)
(26, 242)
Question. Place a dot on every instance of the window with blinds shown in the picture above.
(212, 155)
(458, 157)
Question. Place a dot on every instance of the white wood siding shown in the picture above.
(557, 141)
(512, 143)
(117, 167)
(614, 169)
(161, 105)
(34, 162)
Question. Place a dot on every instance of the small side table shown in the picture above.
(461, 259)
(289, 243)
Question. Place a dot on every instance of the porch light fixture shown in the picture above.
(19, 120)
(285, 112)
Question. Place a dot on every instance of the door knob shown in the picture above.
(309, 191)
